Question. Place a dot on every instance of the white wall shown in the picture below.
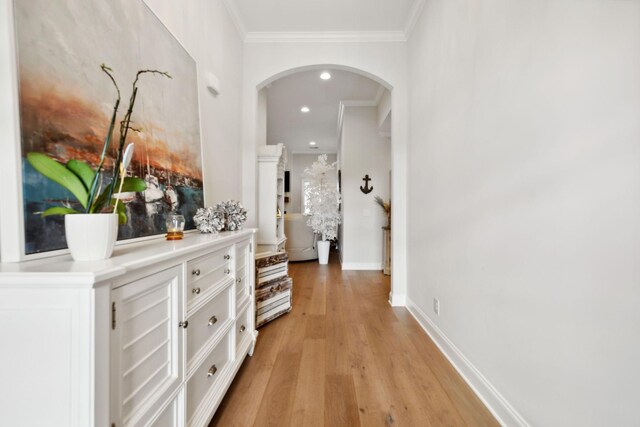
(524, 200)
(384, 62)
(363, 152)
(296, 165)
(207, 32)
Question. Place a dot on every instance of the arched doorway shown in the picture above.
(344, 117)
(254, 115)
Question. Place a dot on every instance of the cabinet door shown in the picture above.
(146, 346)
(172, 415)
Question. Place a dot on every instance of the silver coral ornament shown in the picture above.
(209, 220)
(235, 214)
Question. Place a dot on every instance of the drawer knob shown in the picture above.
(212, 371)
(242, 328)
(195, 291)
(239, 280)
(196, 272)
(213, 320)
(227, 257)
(227, 271)
(184, 324)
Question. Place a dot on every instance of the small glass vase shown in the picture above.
(175, 226)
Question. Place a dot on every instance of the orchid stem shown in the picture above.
(115, 207)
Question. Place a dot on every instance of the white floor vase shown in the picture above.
(323, 251)
(91, 237)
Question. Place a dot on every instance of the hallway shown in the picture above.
(344, 357)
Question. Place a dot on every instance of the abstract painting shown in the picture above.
(66, 103)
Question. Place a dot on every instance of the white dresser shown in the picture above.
(151, 337)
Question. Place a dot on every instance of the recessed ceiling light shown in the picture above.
(305, 109)
(325, 76)
(312, 143)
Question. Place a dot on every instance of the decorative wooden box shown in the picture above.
(274, 288)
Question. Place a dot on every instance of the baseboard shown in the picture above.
(493, 400)
(362, 266)
(396, 300)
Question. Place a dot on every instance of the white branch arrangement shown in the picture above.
(323, 199)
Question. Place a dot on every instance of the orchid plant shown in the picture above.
(323, 199)
(85, 183)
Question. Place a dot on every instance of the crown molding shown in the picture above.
(236, 18)
(325, 36)
(412, 19)
(398, 36)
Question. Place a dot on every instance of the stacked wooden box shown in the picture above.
(273, 287)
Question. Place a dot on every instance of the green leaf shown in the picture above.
(60, 174)
(59, 210)
(82, 171)
(132, 184)
(121, 211)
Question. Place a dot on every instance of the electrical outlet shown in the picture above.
(436, 306)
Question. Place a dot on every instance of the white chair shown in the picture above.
(300, 238)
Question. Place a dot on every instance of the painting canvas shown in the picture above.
(66, 102)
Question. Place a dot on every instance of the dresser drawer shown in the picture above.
(242, 254)
(242, 287)
(207, 376)
(207, 321)
(204, 273)
(241, 273)
(243, 325)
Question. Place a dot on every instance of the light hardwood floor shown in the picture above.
(344, 357)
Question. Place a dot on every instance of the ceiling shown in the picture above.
(287, 124)
(254, 17)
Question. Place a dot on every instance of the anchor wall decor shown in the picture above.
(366, 189)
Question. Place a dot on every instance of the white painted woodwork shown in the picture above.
(204, 324)
(242, 325)
(204, 273)
(67, 361)
(172, 415)
(271, 163)
(244, 275)
(205, 377)
(146, 356)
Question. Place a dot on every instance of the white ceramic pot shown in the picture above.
(91, 237)
(323, 251)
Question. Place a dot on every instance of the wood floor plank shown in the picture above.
(308, 406)
(344, 357)
(276, 406)
(372, 394)
(340, 400)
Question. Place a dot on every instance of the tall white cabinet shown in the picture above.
(151, 337)
(272, 160)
